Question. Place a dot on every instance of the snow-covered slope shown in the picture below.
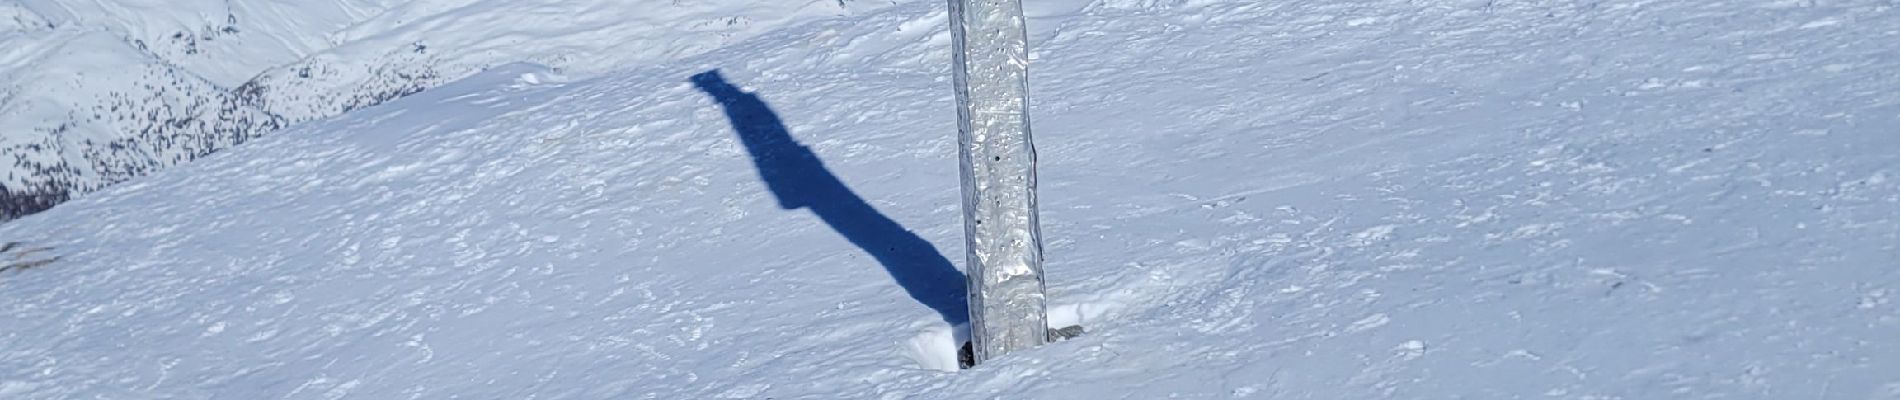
(97, 92)
(1287, 200)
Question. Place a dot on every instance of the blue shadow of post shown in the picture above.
(799, 179)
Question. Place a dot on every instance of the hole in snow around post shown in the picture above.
(936, 347)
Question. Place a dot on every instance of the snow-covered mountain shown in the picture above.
(97, 92)
(1307, 199)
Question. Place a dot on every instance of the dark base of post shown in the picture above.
(966, 355)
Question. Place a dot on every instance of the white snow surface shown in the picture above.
(1301, 199)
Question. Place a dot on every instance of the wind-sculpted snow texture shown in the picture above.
(98, 92)
(1276, 200)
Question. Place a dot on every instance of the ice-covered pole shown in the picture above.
(1004, 243)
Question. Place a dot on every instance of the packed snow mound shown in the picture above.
(98, 92)
(1286, 200)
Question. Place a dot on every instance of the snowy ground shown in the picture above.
(1287, 200)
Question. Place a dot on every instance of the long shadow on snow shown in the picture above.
(800, 180)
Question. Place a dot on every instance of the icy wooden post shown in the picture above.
(1004, 243)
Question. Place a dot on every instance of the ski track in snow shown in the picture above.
(1305, 199)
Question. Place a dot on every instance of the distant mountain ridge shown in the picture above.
(95, 93)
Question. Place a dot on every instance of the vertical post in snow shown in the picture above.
(1004, 243)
